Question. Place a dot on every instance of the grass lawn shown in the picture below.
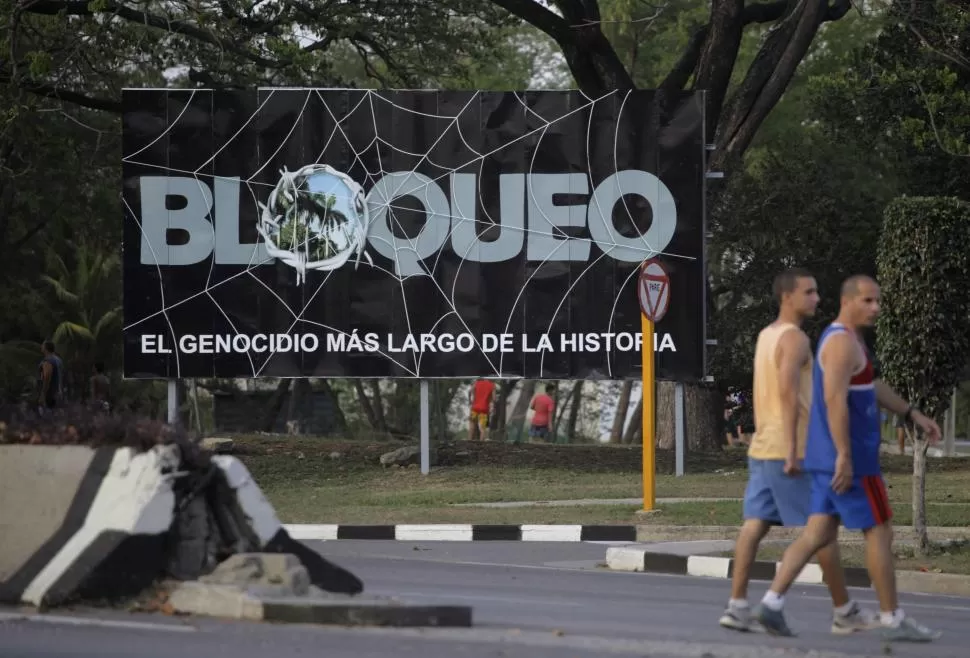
(952, 559)
(314, 487)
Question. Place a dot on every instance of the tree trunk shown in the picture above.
(294, 413)
(666, 427)
(497, 421)
(634, 431)
(703, 411)
(561, 406)
(441, 400)
(619, 418)
(367, 407)
(339, 423)
(195, 405)
(574, 411)
(516, 424)
(377, 402)
(274, 406)
(919, 493)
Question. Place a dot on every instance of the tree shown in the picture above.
(908, 95)
(807, 200)
(88, 317)
(925, 293)
(83, 53)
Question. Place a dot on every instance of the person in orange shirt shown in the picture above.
(543, 405)
(481, 399)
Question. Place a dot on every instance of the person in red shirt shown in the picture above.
(481, 399)
(543, 405)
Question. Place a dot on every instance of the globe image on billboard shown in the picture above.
(315, 219)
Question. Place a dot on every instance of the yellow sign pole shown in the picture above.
(649, 412)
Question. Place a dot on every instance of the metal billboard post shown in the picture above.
(425, 429)
(173, 401)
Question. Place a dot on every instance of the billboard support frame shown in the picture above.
(425, 428)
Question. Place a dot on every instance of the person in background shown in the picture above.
(543, 405)
(481, 401)
(900, 424)
(100, 389)
(50, 379)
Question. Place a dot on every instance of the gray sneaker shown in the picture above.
(736, 618)
(909, 630)
(857, 619)
(773, 621)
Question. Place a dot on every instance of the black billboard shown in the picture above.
(358, 233)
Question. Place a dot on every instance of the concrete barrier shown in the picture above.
(84, 523)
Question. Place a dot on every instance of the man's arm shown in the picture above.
(793, 352)
(889, 399)
(838, 359)
(46, 370)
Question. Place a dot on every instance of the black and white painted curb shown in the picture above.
(466, 532)
(632, 558)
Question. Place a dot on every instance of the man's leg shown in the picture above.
(820, 531)
(866, 507)
(472, 426)
(760, 512)
(793, 495)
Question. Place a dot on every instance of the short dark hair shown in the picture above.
(99, 367)
(850, 287)
(550, 388)
(787, 281)
(48, 345)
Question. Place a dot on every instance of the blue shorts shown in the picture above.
(774, 497)
(863, 506)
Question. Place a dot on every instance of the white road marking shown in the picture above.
(444, 596)
(100, 623)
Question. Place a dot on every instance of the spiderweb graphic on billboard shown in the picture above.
(455, 228)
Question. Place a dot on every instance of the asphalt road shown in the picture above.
(530, 600)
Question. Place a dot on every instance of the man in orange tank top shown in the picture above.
(778, 492)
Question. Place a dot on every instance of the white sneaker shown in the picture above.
(736, 618)
(857, 619)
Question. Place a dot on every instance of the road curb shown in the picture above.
(628, 558)
(662, 533)
(464, 532)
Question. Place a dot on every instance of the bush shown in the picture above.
(82, 426)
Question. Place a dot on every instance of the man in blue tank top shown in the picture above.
(842, 457)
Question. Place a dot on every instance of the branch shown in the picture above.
(68, 96)
(539, 17)
(83, 8)
(769, 75)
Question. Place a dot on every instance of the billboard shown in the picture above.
(360, 233)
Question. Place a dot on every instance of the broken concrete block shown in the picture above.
(217, 445)
(282, 570)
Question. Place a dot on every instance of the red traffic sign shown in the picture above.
(654, 290)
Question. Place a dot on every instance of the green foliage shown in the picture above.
(908, 95)
(805, 202)
(924, 271)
